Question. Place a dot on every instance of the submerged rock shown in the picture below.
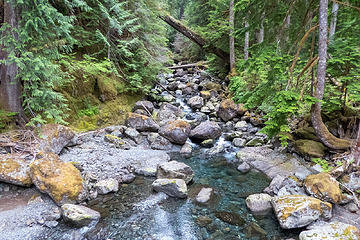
(333, 231)
(324, 187)
(106, 186)
(204, 195)
(244, 167)
(203, 221)
(176, 131)
(206, 130)
(173, 187)
(60, 180)
(296, 211)
(79, 216)
(230, 218)
(14, 169)
(141, 123)
(260, 202)
(175, 170)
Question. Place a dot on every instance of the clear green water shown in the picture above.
(135, 212)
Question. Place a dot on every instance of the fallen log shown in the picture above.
(192, 65)
(195, 37)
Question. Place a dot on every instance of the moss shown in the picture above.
(310, 148)
(60, 180)
(107, 88)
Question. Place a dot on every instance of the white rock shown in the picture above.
(106, 186)
(204, 195)
(259, 202)
(333, 231)
(172, 187)
(79, 215)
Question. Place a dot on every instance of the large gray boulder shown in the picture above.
(173, 187)
(227, 110)
(333, 231)
(174, 169)
(206, 130)
(79, 216)
(196, 102)
(54, 137)
(296, 211)
(14, 169)
(168, 113)
(144, 105)
(176, 131)
(141, 123)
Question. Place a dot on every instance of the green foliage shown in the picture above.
(42, 33)
(89, 111)
(323, 163)
(6, 118)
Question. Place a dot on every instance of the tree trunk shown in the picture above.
(196, 38)
(10, 86)
(260, 34)
(321, 130)
(356, 149)
(231, 36)
(246, 45)
(334, 12)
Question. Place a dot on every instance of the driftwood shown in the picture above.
(195, 37)
(192, 65)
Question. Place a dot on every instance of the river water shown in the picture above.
(137, 213)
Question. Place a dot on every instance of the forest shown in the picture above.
(273, 84)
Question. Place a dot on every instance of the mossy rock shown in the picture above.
(310, 148)
(306, 133)
(14, 169)
(62, 181)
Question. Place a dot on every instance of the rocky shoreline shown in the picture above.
(70, 169)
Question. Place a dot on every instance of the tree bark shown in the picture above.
(260, 34)
(231, 36)
(10, 86)
(246, 44)
(334, 12)
(321, 130)
(196, 38)
(356, 149)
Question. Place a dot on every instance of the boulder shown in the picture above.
(133, 134)
(296, 211)
(144, 105)
(14, 169)
(205, 94)
(61, 181)
(141, 123)
(158, 142)
(260, 202)
(117, 141)
(352, 181)
(187, 91)
(241, 125)
(176, 131)
(54, 137)
(244, 167)
(173, 187)
(196, 102)
(333, 231)
(206, 130)
(204, 195)
(239, 142)
(167, 113)
(324, 187)
(79, 216)
(174, 169)
(310, 148)
(106, 186)
(306, 133)
(256, 141)
(208, 143)
(186, 150)
(227, 110)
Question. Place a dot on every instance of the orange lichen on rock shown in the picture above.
(14, 169)
(62, 181)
